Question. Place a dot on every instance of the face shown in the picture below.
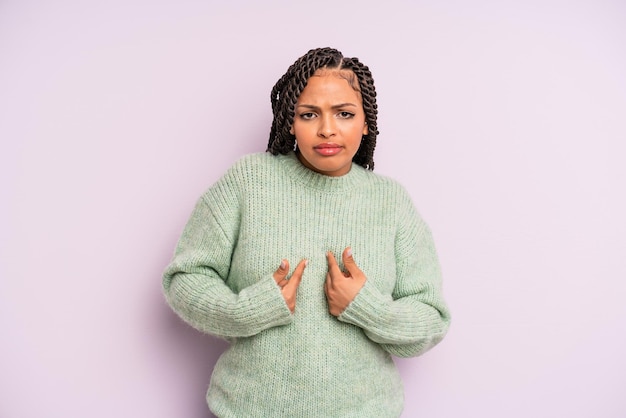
(329, 123)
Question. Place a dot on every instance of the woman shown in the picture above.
(317, 342)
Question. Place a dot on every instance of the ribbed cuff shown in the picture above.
(383, 320)
(368, 308)
(262, 306)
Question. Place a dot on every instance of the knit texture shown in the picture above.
(309, 363)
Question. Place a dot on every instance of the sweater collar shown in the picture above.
(309, 178)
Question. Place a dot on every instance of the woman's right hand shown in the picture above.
(289, 286)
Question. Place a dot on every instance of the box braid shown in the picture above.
(287, 89)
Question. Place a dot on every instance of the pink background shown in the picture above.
(505, 120)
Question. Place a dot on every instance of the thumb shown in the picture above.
(281, 272)
(348, 261)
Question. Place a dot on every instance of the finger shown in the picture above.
(280, 274)
(327, 283)
(333, 267)
(296, 277)
(334, 272)
(349, 263)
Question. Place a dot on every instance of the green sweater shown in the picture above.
(309, 363)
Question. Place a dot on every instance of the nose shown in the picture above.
(326, 127)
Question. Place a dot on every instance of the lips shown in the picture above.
(327, 149)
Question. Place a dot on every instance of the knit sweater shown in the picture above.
(308, 363)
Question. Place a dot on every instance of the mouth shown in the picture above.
(327, 149)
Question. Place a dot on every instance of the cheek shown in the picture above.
(357, 134)
(304, 131)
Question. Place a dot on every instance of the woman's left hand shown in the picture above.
(342, 287)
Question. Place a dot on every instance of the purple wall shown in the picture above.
(505, 122)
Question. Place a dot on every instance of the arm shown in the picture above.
(415, 317)
(194, 282)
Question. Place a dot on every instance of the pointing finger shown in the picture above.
(296, 277)
(280, 275)
(327, 283)
(333, 267)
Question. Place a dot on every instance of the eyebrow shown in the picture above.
(337, 106)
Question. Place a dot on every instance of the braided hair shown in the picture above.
(288, 88)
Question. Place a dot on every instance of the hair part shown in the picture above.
(288, 88)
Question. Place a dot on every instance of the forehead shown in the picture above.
(331, 85)
(346, 74)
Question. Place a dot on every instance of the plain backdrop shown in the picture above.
(506, 121)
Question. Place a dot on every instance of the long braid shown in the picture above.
(365, 154)
(285, 93)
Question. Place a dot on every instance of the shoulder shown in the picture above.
(248, 167)
(388, 186)
(256, 159)
(396, 199)
(252, 165)
(238, 176)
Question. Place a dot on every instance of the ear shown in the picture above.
(291, 130)
(365, 129)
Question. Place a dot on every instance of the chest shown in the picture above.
(305, 224)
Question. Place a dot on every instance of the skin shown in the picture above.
(328, 115)
(341, 287)
(289, 286)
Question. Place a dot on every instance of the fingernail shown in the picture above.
(283, 264)
(349, 252)
(306, 263)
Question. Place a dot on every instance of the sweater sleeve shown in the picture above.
(194, 283)
(414, 318)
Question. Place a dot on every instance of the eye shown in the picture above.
(307, 116)
(345, 115)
